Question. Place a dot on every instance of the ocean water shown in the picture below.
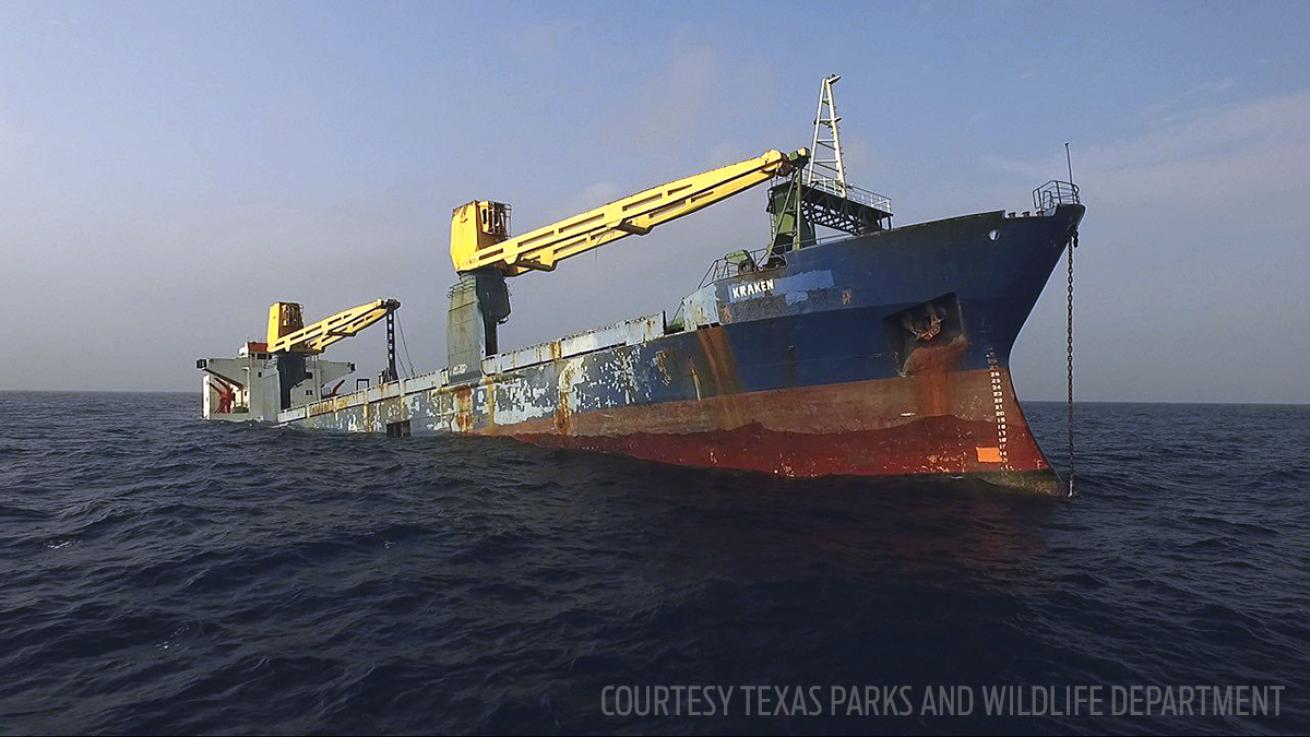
(164, 575)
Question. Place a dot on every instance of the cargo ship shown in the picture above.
(878, 351)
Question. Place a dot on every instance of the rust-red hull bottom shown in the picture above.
(940, 423)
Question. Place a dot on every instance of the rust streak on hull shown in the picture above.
(855, 429)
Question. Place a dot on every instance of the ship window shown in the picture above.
(995, 234)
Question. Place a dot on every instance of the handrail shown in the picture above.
(854, 194)
(721, 267)
(1054, 193)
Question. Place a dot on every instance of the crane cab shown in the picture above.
(284, 318)
(475, 227)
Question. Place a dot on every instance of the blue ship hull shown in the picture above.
(883, 354)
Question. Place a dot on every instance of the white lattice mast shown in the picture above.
(826, 168)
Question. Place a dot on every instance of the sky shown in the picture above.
(168, 170)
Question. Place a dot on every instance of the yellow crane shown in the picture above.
(479, 230)
(288, 333)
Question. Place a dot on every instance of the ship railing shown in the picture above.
(854, 194)
(744, 262)
(737, 262)
(1054, 193)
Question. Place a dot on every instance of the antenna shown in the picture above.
(1068, 160)
(826, 169)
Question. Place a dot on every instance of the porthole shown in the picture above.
(995, 234)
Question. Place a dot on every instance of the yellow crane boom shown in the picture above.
(286, 331)
(479, 230)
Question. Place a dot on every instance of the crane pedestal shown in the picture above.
(478, 303)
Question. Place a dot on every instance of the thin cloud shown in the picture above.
(595, 195)
(679, 95)
(1213, 86)
(1250, 152)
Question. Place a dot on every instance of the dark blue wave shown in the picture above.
(164, 575)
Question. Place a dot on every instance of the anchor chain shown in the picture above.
(1073, 244)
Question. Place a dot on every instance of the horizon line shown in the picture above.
(1061, 400)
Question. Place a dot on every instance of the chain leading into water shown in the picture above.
(1073, 244)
